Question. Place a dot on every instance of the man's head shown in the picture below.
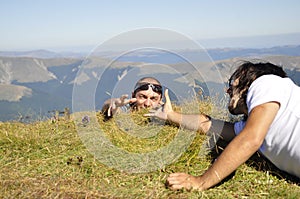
(241, 80)
(148, 92)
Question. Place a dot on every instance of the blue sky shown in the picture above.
(62, 24)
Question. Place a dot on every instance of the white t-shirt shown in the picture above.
(282, 142)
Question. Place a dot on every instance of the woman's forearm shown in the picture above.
(235, 154)
(193, 122)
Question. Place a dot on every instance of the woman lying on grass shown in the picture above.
(269, 100)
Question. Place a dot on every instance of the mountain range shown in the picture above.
(34, 84)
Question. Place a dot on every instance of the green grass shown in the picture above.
(49, 160)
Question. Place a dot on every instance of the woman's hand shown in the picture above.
(177, 181)
(163, 111)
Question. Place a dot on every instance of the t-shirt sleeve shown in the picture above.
(267, 88)
(239, 126)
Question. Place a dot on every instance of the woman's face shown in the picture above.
(237, 104)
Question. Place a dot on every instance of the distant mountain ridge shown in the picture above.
(37, 85)
(43, 54)
(215, 53)
(220, 54)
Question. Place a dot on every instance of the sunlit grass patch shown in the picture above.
(49, 160)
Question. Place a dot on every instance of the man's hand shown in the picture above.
(118, 102)
(163, 111)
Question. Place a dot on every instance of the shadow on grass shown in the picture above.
(258, 162)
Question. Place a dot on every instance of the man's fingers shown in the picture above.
(152, 111)
(132, 100)
(167, 96)
(109, 111)
(113, 105)
(126, 101)
(123, 97)
(149, 115)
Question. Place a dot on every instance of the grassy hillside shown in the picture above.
(48, 160)
(13, 93)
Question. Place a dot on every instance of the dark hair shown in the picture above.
(248, 72)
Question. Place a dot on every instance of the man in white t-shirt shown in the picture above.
(270, 102)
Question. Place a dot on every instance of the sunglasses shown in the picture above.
(155, 87)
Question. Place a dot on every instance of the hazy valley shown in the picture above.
(33, 84)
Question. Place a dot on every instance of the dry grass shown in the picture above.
(48, 160)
